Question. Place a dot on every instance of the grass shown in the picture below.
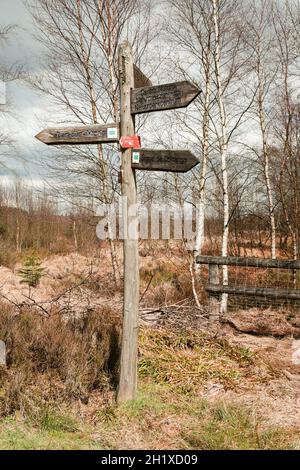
(170, 411)
(158, 419)
(16, 435)
(188, 360)
(226, 426)
(161, 420)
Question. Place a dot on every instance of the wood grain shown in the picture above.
(94, 134)
(163, 97)
(178, 161)
(249, 262)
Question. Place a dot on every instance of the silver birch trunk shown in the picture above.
(223, 151)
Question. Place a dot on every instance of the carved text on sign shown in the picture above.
(93, 134)
(163, 97)
(163, 160)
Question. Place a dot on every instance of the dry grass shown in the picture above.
(269, 322)
(189, 360)
(170, 282)
(58, 389)
(161, 419)
(50, 360)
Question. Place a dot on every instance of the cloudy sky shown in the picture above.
(26, 107)
(29, 110)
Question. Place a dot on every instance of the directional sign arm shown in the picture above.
(177, 161)
(163, 97)
(140, 79)
(95, 134)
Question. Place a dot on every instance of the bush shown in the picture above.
(54, 360)
(32, 270)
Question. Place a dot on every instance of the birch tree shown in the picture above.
(211, 51)
(230, 73)
(285, 19)
(195, 38)
(259, 38)
(81, 40)
(7, 73)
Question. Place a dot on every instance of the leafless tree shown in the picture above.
(6, 74)
(81, 40)
(258, 37)
(286, 125)
(195, 40)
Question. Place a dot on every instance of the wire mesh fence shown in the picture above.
(253, 282)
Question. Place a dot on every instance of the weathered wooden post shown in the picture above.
(137, 96)
(128, 365)
(2, 353)
(214, 303)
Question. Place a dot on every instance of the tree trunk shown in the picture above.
(266, 165)
(223, 151)
(205, 146)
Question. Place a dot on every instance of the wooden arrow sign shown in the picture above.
(162, 97)
(177, 161)
(140, 80)
(95, 134)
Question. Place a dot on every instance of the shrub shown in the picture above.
(52, 360)
(32, 270)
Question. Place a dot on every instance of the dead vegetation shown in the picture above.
(268, 322)
(191, 361)
(51, 360)
(200, 386)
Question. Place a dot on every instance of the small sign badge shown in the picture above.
(135, 157)
(130, 141)
(112, 132)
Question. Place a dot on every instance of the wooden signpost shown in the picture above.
(177, 161)
(95, 134)
(163, 97)
(128, 365)
(136, 96)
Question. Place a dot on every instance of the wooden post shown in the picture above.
(128, 366)
(2, 353)
(214, 304)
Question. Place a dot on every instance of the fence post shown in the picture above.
(214, 303)
(2, 353)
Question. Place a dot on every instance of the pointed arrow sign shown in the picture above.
(140, 79)
(95, 134)
(178, 161)
(162, 97)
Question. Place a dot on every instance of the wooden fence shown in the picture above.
(215, 287)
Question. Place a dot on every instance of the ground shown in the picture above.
(234, 385)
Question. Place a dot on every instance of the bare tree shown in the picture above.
(210, 52)
(260, 38)
(195, 38)
(286, 126)
(81, 41)
(6, 74)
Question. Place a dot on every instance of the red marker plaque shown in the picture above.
(130, 141)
